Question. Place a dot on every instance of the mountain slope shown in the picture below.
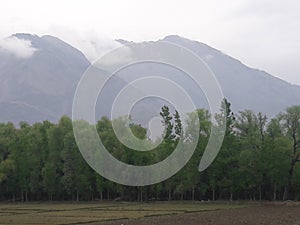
(42, 86)
(245, 88)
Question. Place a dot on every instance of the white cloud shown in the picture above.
(18, 47)
(96, 46)
(92, 44)
(118, 58)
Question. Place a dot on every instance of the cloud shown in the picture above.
(91, 43)
(95, 46)
(116, 59)
(18, 47)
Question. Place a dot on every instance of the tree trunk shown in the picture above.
(260, 194)
(193, 194)
(92, 196)
(77, 196)
(274, 192)
(213, 192)
(146, 195)
(286, 194)
(129, 195)
(170, 194)
(231, 196)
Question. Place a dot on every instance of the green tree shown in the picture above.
(168, 125)
(224, 170)
(53, 169)
(275, 157)
(251, 131)
(178, 126)
(291, 125)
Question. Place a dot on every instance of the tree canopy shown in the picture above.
(258, 160)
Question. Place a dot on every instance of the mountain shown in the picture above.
(244, 87)
(42, 86)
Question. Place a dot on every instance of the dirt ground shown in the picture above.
(267, 214)
(154, 213)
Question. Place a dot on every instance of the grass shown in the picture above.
(84, 213)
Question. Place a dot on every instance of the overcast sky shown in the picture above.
(264, 34)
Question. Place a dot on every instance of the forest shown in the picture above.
(259, 160)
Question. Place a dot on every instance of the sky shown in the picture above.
(263, 34)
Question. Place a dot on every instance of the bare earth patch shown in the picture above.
(165, 213)
(267, 214)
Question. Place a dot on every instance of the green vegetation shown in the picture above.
(258, 160)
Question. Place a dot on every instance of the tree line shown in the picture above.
(258, 160)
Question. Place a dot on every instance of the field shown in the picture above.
(117, 213)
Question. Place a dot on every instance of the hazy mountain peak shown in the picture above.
(42, 86)
(198, 47)
(25, 36)
(123, 42)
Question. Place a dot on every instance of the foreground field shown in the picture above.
(150, 213)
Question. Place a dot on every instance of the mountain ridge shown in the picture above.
(221, 52)
(42, 87)
(232, 73)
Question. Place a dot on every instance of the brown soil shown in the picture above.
(268, 214)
